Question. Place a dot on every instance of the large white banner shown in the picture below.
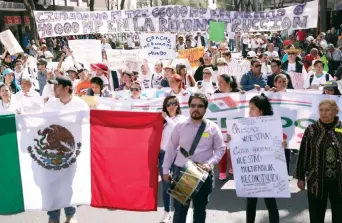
(258, 157)
(174, 18)
(297, 110)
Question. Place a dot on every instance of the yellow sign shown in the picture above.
(338, 130)
(193, 55)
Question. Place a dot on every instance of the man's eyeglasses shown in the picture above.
(196, 106)
(134, 89)
(206, 73)
(171, 104)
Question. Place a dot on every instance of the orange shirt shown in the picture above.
(82, 87)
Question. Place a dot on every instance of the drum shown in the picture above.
(187, 184)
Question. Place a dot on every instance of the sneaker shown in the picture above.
(71, 220)
(166, 217)
(223, 176)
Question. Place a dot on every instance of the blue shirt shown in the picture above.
(248, 81)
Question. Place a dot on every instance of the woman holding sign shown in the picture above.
(260, 106)
(320, 163)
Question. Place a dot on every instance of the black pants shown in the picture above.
(318, 206)
(271, 205)
(200, 202)
(244, 50)
(288, 159)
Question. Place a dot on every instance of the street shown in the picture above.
(224, 206)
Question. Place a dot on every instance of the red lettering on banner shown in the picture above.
(16, 20)
(8, 20)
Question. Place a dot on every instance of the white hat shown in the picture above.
(251, 54)
(310, 38)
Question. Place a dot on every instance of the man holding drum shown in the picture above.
(204, 154)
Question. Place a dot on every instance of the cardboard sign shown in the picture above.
(193, 55)
(87, 51)
(158, 45)
(10, 42)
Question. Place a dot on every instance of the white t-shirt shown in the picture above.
(146, 80)
(256, 43)
(292, 68)
(31, 93)
(273, 54)
(21, 75)
(207, 87)
(48, 91)
(9, 108)
(75, 104)
(168, 128)
(320, 81)
(231, 35)
(156, 79)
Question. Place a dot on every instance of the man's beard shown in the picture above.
(196, 117)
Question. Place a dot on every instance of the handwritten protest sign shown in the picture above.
(124, 59)
(193, 55)
(87, 51)
(174, 18)
(10, 42)
(258, 157)
(297, 80)
(158, 45)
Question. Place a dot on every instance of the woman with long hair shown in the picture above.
(260, 106)
(280, 83)
(189, 80)
(172, 115)
(97, 88)
(10, 80)
(226, 84)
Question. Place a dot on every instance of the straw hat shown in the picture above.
(293, 49)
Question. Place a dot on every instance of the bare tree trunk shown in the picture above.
(29, 5)
(122, 4)
(91, 5)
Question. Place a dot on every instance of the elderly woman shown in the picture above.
(27, 88)
(320, 163)
(207, 85)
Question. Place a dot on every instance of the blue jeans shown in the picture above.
(55, 215)
(231, 45)
(166, 185)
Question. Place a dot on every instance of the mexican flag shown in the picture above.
(105, 159)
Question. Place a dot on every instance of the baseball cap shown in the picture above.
(330, 84)
(101, 66)
(169, 67)
(251, 54)
(62, 80)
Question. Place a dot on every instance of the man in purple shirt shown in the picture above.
(209, 152)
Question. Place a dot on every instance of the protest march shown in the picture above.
(157, 109)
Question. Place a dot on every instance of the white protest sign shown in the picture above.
(258, 157)
(87, 51)
(158, 45)
(10, 42)
(175, 19)
(123, 59)
(297, 80)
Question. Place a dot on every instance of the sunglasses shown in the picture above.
(196, 106)
(134, 89)
(171, 104)
(259, 65)
(207, 73)
(291, 53)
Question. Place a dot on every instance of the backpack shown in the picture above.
(312, 76)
